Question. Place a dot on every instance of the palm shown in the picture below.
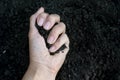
(39, 53)
(38, 47)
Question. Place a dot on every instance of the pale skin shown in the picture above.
(44, 66)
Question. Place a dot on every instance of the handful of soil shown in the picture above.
(45, 34)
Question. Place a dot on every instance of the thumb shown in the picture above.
(33, 18)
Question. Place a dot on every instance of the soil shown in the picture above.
(93, 27)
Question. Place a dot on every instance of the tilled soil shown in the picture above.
(93, 27)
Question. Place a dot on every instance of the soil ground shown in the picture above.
(93, 27)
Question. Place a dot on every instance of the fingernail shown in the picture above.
(40, 23)
(50, 40)
(47, 25)
(52, 49)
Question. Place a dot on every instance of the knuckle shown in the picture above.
(68, 41)
(63, 25)
(55, 31)
(57, 16)
(43, 14)
(67, 38)
(50, 17)
(54, 16)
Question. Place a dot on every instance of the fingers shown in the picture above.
(41, 18)
(51, 20)
(55, 32)
(34, 16)
(40, 10)
(33, 19)
(47, 21)
(63, 39)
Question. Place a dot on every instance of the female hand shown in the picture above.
(44, 65)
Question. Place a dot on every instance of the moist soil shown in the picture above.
(93, 27)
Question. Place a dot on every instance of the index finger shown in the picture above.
(34, 17)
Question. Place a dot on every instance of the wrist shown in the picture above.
(35, 72)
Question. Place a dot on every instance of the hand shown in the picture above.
(40, 57)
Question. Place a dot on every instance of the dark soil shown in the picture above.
(93, 27)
